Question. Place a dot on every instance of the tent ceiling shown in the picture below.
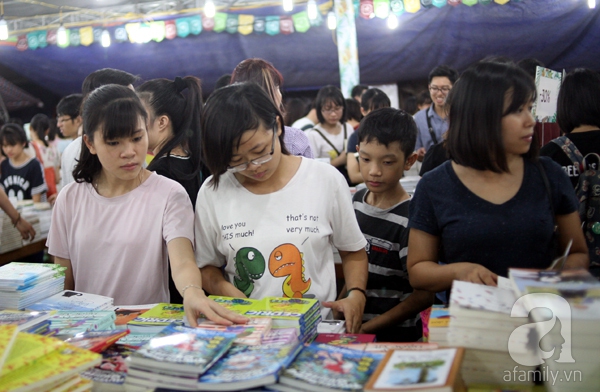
(563, 34)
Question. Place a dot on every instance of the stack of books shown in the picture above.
(249, 334)
(43, 213)
(156, 319)
(41, 363)
(481, 322)
(68, 324)
(74, 301)
(176, 357)
(10, 237)
(22, 284)
(110, 374)
(31, 322)
(438, 325)
(564, 307)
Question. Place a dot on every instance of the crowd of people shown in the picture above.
(161, 197)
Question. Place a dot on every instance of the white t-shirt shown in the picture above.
(322, 149)
(68, 162)
(302, 122)
(278, 244)
(118, 246)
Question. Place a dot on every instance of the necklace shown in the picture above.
(141, 177)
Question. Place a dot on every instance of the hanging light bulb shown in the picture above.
(331, 21)
(392, 21)
(3, 24)
(288, 5)
(312, 10)
(61, 36)
(105, 38)
(592, 4)
(209, 9)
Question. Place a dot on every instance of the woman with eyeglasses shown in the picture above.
(266, 220)
(328, 139)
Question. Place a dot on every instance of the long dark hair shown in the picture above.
(39, 124)
(229, 112)
(166, 98)
(113, 110)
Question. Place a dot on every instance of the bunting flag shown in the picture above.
(87, 35)
(245, 24)
(381, 8)
(412, 6)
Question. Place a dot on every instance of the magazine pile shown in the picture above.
(22, 284)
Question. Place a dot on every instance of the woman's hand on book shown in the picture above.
(197, 305)
(476, 273)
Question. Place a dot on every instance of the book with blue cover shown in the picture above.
(182, 350)
(74, 301)
(17, 276)
(324, 367)
(246, 367)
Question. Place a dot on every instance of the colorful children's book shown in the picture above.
(97, 341)
(238, 305)
(245, 367)
(182, 350)
(128, 313)
(340, 339)
(17, 276)
(71, 323)
(154, 320)
(286, 312)
(250, 333)
(385, 347)
(28, 348)
(23, 319)
(323, 367)
(135, 340)
(69, 300)
(566, 283)
(281, 336)
(50, 370)
(427, 370)
(111, 373)
(8, 334)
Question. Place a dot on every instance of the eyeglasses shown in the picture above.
(333, 109)
(258, 161)
(64, 119)
(436, 89)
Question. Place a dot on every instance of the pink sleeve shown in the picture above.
(58, 238)
(178, 218)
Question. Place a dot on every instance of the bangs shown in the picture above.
(523, 91)
(122, 119)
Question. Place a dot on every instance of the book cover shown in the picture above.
(566, 283)
(69, 300)
(245, 367)
(23, 319)
(330, 368)
(250, 333)
(17, 276)
(238, 305)
(480, 297)
(295, 310)
(183, 349)
(8, 334)
(55, 367)
(135, 340)
(338, 339)
(113, 368)
(427, 370)
(386, 346)
(439, 316)
(28, 348)
(97, 341)
(71, 323)
(157, 318)
(125, 314)
(281, 336)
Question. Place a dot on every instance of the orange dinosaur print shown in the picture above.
(286, 260)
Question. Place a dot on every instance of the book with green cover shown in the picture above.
(154, 320)
(238, 305)
(285, 312)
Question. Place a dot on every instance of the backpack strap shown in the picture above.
(329, 141)
(431, 132)
(571, 150)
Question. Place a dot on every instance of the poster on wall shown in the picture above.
(548, 84)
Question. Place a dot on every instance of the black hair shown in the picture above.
(167, 98)
(113, 110)
(423, 98)
(12, 134)
(443, 71)
(579, 100)
(476, 111)
(410, 105)
(295, 108)
(358, 90)
(353, 110)
(39, 124)
(373, 99)
(389, 125)
(530, 65)
(329, 94)
(69, 106)
(223, 81)
(105, 76)
(228, 114)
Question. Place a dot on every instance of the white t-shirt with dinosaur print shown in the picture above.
(279, 244)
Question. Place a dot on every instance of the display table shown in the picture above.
(37, 246)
